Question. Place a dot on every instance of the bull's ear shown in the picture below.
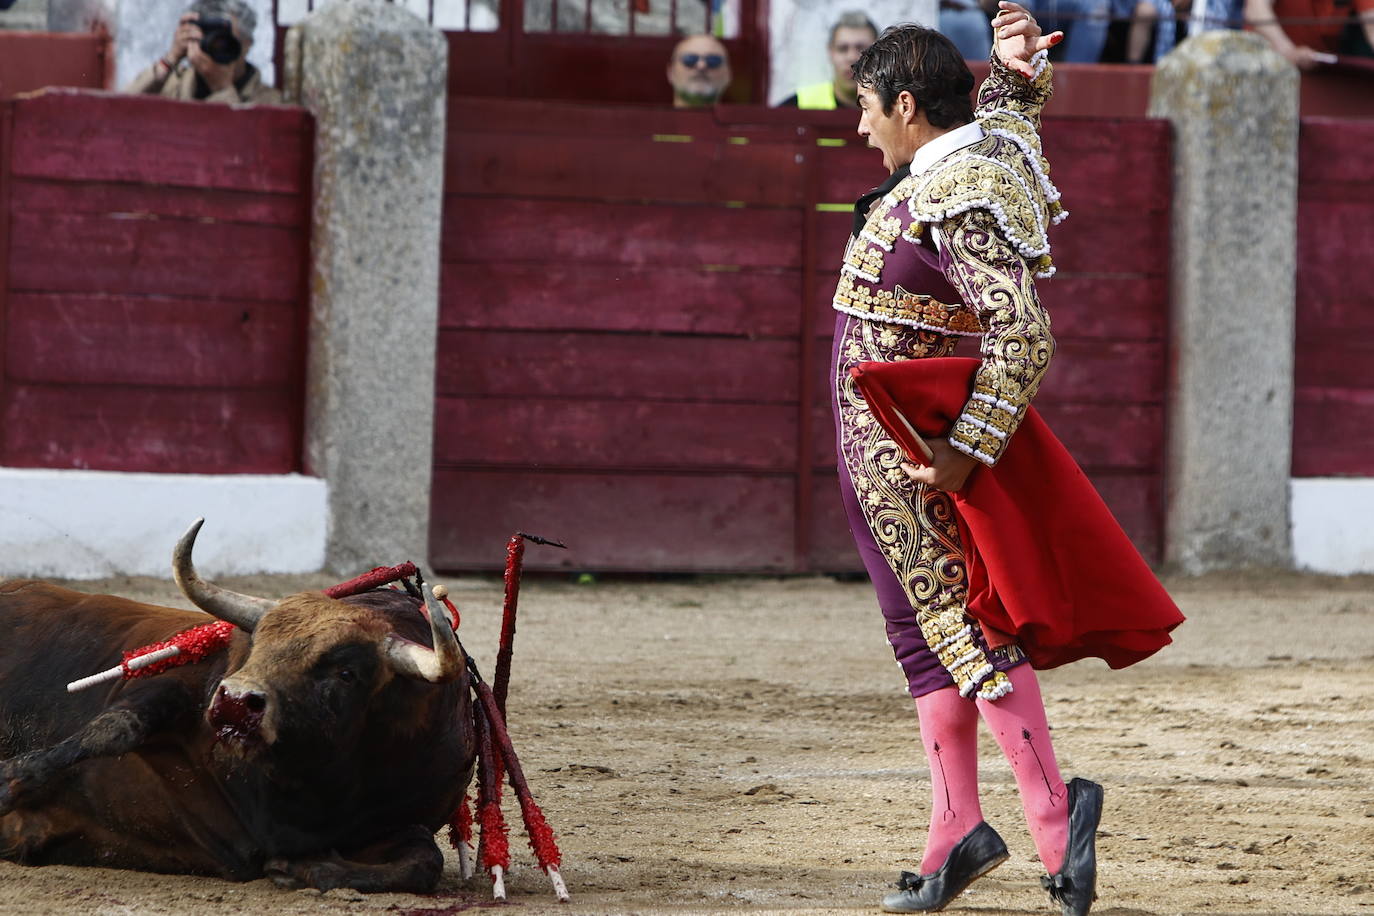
(243, 611)
(443, 663)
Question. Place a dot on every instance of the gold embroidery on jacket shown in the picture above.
(914, 525)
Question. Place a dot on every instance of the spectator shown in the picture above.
(850, 36)
(1149, 22)
(1084, 22)
(1087, 23)
(698, 71)
(1348, 29)
(213, 38)
(965, 22)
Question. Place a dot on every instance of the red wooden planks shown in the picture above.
(1126, 437)
(1333, 432)
(572, 296)
(1104, 372)
(615, 521)
(539, 232)
(120, 253)
(122, 340)
(157, 255)
(165, 430)
(585, 433)
(831, 546)
(1119, 164)
(676, 168)
(1334, 151)
(29, 61)
(1333, 409)
(638, 366)
(1112, 242)
(469, 114)
(141, 201)
(846, 172)
(1335, 274)
(93, 136)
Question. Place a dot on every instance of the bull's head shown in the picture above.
(314, 661)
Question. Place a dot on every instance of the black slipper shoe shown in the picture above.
(1074, 887)
(975, 855)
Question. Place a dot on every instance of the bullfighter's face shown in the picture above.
(890, 132)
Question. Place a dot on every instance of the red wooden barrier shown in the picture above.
(152, 284)
(34, 60)
(635, 330)
(1333, 411)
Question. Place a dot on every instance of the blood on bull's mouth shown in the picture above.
(237, 718)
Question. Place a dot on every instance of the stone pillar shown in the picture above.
(1234, 105)
(375, 77)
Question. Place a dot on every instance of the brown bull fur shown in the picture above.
(342, 783)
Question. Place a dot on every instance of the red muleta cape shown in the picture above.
(1048, 564)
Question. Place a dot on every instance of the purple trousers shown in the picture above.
(923, 669)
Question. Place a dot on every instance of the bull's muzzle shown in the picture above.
(236, 715)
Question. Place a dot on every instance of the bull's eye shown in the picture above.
(346, 675)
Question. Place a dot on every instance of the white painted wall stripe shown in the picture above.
(92, 524)
(1333, 524)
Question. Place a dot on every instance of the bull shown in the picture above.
(324, 748)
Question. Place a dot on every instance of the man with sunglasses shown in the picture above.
(850, 36)
(698, 71)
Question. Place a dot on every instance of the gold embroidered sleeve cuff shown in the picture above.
(983, 428)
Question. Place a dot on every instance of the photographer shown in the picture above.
(213, 38)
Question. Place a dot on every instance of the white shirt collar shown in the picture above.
(945, 144)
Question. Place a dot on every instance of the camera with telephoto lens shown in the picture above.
(217, 39)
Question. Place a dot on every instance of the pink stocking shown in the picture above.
(1017, 721)
(949, 731)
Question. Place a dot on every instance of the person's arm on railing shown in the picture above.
(1259, 15)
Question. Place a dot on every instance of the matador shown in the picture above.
(949, 247)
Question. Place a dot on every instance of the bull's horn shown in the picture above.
(243, 611)
(439, 665)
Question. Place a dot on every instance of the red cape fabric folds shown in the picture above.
(1048, 565)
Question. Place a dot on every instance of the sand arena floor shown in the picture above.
(745, 746)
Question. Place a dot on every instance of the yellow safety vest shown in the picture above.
(817, 95)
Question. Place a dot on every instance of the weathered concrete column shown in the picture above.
(375, 77)
(1234, 105)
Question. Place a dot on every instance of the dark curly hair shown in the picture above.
(912, 58)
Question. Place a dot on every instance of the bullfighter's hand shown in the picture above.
(217, 76)
(1017, 38)
(948, 469)
(187, 34)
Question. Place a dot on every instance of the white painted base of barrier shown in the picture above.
(1333, 524)
(92, 524)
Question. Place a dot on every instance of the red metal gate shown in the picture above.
(635, 331)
